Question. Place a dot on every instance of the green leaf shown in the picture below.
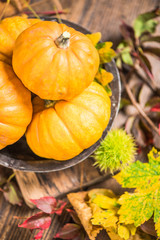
(119, 63)
(145, 23)
(108, 89)
(100, 45)
(126, 57)
(143, 176)
(136, 208)
(140, 206)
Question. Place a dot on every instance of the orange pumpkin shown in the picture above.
(55, 61)
(10, 28)
(64, 130)
(15, 105)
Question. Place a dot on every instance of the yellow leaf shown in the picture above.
(94, 37)
(104, 218)
(157, 227)
(106, 53)
(112, 234)
(106, 192)
(105, 202)
(132, 229)
(123, 232)
(104, 77)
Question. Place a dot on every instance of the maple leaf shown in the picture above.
(49, 205)
(144, 203)
(143, 176)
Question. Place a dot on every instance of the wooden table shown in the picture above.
(95, 15)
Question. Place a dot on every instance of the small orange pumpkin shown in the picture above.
(10, 28)
(63, 131)
(55, 61)
(15, 105)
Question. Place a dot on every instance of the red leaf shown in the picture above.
(60, 206)
(39, 235)
(68, 231)
(74, 216)
(46, 204)
(40, 220)
(49, 205)
(155, 108)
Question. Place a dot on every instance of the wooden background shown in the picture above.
(95, 15)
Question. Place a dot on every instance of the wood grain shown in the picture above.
(96, 15)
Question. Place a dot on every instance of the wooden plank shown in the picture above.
(56, 184)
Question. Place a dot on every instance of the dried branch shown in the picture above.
(136, 104)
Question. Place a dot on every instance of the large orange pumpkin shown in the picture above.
(15, 105)
(63, 131)
(55, 61)
(10, 28)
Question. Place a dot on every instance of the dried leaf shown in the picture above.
(49, 205)
(127, 32)
(124, 102)
(155, 108)
(94, 37)
(38, 221)
(84, 213)
(152, 50)
(69, 231)
(145, 64)
(74, 216)
(12, 194)
(149, 38)
(145, 23)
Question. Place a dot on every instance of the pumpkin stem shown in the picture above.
(63, 40)
(49, 103)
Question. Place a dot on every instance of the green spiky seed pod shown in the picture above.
(116, 151)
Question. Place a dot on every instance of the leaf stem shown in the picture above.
(136, 104)
(10, 177)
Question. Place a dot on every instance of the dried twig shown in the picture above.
(4, 10)
(136, 104)
(47, 12)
